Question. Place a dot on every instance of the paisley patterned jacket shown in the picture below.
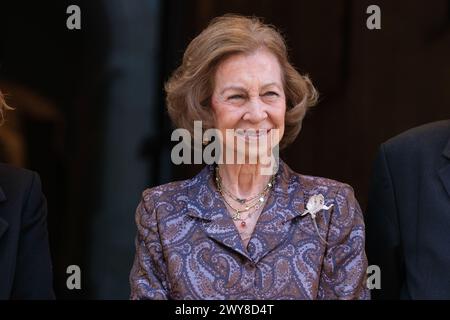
(187, 246)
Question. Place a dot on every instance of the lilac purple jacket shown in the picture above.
(187, 246)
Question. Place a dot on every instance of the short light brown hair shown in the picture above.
(3, 107)
(190, 87)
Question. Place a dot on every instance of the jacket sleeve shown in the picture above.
(33, 275)
(383, 239)
(148, 274)
(344, 267)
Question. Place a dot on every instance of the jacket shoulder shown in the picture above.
(430, 135)
(294, 182)
(10, 172)
(151, 197)
(14, 180)
(314, 183)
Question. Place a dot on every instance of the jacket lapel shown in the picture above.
(283, 213)
(212, 213)
(444, 172)
(3, 224)
(223, 230)
(285, 203)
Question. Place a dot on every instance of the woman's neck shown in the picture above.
(243, 180)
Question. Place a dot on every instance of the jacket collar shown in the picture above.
(444, 172)
(286, 202)
(3, 224)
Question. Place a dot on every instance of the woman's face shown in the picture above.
(248, 97)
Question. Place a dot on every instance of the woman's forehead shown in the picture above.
(243, 70)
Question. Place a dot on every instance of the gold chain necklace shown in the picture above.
(242, 200)
(258, 200)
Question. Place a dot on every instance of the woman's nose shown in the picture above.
(256, 111)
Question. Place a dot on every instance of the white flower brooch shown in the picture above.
(315, 204)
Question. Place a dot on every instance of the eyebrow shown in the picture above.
(271, 84)
(240, 88)
(237, 88)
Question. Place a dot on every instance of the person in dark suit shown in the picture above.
(25, 263)
(408, 216)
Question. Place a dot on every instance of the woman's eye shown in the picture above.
(236, 97)
(271, 93)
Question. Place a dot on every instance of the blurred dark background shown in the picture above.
(90, 116)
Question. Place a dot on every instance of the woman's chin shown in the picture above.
(252, 154)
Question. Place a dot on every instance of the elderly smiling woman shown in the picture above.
(232, 232)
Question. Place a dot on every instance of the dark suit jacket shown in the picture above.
(25, 265)
(408, 216)
(188, 247)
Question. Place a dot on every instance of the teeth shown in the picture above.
(252, 132)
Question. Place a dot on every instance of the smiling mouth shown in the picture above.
(252, 133)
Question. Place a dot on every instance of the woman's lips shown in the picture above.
(252, 133)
